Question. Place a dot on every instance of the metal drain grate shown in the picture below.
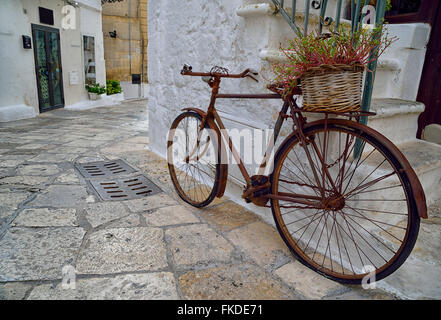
(125, 188)
(104, 169)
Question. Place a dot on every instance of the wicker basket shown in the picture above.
(332, 88)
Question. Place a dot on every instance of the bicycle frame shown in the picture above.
(211, 114)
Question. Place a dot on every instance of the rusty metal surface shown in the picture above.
(249, 96)
(104, 169)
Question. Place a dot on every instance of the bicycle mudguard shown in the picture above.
(222, 180)
(418, 191)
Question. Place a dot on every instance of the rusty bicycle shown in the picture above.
(341, 213)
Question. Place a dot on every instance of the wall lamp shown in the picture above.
(112, 34)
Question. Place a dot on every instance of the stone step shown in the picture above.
(396, 119)
(425, 159)
(398, 70)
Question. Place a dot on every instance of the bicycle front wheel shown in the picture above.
(193, 159)
(352, 216)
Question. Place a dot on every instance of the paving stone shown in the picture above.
(38, 254)
(228, 216)
(53, 157)
(232, 282)
(45, 217)
(149, 286)
(130, 221)
(69, 177)
(123, 250)
(262, 243)
(151, 202)
(171, 215)
(14, 290)
(9, 202)
(88, 143)
(10, 161)
(103, 212)
(158, 171)
(6, 172)
(138, 139)
(70, 150)
(197, 244)
(38, 170)
(37, 137)
(307, 282)
(123, 147)
(363, 294)
(16, 140)
(90, 159)
(106, 137)
(61, 196)
(33, 146)
(25, 180)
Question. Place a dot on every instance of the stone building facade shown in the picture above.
(125, 44)
(44, 44)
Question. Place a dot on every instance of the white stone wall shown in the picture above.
(17, 80)
(236, 34)
(202, 34)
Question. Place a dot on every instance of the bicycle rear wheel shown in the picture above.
(193, 159)
(358, 217)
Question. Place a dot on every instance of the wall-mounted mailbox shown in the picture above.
(27, 43)
(136, 78)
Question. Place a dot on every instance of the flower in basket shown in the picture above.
(329, 67)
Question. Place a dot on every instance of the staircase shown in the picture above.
(395, 87)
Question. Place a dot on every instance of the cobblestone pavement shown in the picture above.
(53, 227)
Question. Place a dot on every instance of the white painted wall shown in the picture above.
(17, 76)
(202, 34)
(19, 96)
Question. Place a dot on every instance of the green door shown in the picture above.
(48, 67)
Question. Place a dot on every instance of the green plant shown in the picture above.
(341, 46)
(113, 87)
(95, 88)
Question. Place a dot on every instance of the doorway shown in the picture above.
(48, 67)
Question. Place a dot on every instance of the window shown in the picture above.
(89, 59)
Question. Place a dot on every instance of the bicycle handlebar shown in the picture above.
(218, 72)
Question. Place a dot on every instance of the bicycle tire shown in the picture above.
(181, 187)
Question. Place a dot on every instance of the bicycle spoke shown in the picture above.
(190, 172)
(363, 219)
